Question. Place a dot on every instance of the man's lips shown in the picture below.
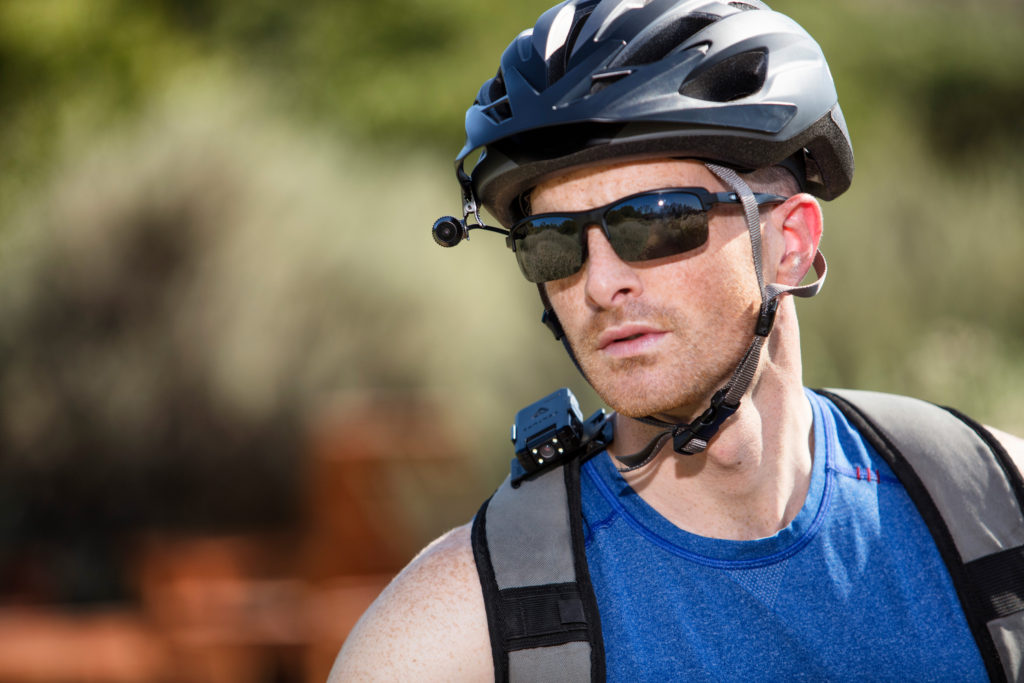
(626, 340)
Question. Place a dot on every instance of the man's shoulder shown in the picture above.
(428, 624)
(1013, 445)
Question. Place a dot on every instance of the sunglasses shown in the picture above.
(641, 227)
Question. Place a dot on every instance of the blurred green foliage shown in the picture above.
(403, 71)
(316, 139)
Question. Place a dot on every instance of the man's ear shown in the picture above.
(796, 226)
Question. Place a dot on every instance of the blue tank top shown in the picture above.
(853, 589)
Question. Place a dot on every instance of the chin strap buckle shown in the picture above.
(766, 318)
(693, 438)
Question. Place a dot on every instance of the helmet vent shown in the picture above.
(730, 79)
(600, 81)
(558, 63)
(649, 48)
(496, 88)
(742, 6)
(496, 108)
(498, 111)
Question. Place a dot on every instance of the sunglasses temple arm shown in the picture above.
(489, 228)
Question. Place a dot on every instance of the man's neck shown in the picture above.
(752, 479)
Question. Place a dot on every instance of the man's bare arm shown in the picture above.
(429, 624)
(1014, 446)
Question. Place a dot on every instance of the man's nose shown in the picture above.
(609, 281)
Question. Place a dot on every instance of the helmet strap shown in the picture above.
(550, 320)
(693, 437)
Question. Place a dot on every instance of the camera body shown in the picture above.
(449, 231)
(548, 431)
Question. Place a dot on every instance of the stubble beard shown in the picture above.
(674, 381)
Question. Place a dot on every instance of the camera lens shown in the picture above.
(547, 451)
(447, 231)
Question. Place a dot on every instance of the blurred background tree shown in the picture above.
(214, 222)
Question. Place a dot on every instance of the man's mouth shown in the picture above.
(629, 340)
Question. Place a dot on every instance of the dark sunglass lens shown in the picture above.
(548, 248)
(656, 225)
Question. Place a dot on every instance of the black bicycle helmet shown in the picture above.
(731, 82)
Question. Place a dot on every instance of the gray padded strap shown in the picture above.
(1006, 633)
(965, 480)
(569, 663)
(529, 537)
(960, 472)
(532, 522)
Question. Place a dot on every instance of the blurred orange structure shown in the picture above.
(260, 605)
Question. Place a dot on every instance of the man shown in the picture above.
(657, 164)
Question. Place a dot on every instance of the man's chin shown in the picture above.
(670, 409)
(672, 415)
(639, 387)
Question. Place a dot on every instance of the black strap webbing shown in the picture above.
(538, 616)
(999, 583)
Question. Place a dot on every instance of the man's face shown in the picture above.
(654, 337)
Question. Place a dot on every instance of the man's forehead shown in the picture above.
(593, 186)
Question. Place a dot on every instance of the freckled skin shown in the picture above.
(428, 625)
(706, 299)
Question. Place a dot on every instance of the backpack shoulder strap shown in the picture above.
(971, 496)
(541, 610)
